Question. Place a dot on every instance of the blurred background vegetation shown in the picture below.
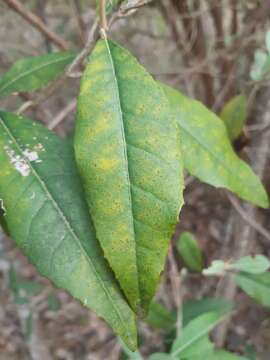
(213, 50)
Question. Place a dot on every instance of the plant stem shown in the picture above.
(103, 16)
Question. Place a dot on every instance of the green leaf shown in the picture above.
(252, 265)
(217, 268)
(194, 334)
(267, 41)
(48, 218)
(200, 349)
(132, 355)
(195, 308)
(53, 302)
(160, 356)
(207, 151)
(128, 155)
(159, 317)
(256, 286)
(224, 355)
(234, 115)
(260, 59)
(33, 73)
(188, 248)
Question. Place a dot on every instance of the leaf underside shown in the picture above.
(207, 151)
(127, 153)
(33, 73)
(48, 218)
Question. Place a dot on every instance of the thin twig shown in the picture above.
(63, 114)
(80, 22)
(175, 280)
(103, 15)
(250, 221)
(69, 71)
(37, 23)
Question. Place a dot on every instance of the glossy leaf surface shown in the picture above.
(33, 73)
(207, 152)
(127, 153)
(48, 218)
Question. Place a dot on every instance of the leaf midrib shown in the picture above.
(119, 105)
(2, 89)
(68, 226)
(195, 338)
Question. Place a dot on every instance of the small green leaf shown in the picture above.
(267, 41)
(159, 317)
(160, 356)
(257, 67)
(250, 352)
(234, 115)
(217, 268)
(208, 153)
(256, 286)
(195, 308)
(252, 265)
(200, 349)
(48, 218)
(190, 251)
(224, 355)
(194, 334)
(126, 146)
(53, 302)
(33, 73)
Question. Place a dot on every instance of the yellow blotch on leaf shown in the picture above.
(107, 164)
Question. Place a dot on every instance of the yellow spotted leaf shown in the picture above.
(127, 153)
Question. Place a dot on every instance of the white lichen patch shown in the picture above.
(39, 147)
(19, 163)
(30, 155)
(3, 210)
(22, 162)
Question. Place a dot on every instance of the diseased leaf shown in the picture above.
(208, 154)
(234, 115)
(256, 286)
(49, 220)
(127, 154)
(188, 248)
(33, 73)
(194, 335)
